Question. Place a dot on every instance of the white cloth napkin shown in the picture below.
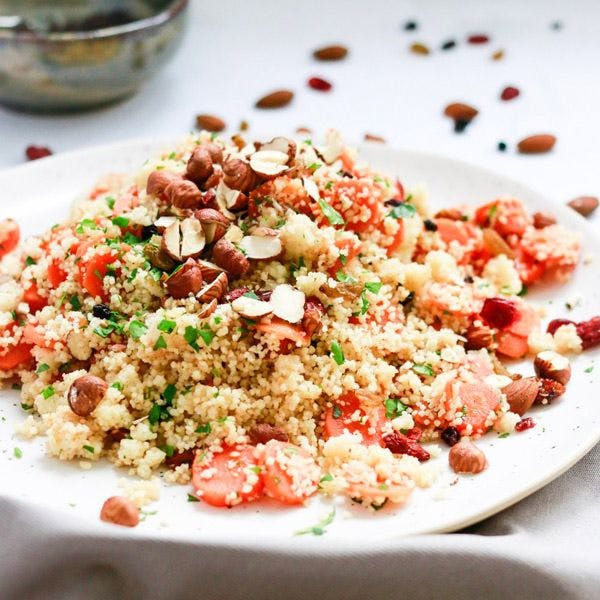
(547, 546)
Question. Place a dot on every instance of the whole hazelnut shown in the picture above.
(185, 281)
(183, 194)
(238, 175)
(228, 257)
(551, 365)
(85, 394)
(521, 394)
(466, 457)
(158, 182)
(200, 165)
(120, 511)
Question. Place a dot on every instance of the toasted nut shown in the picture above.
(213, 222)
(449, 213)
(280, 144)
(183, 239)
(276, 99)
(551, 365)
(521, 394)
(261, 433)
(171, 241)
(303, 130)
(200, 165)
(228, 199)
(288, 303)
(334, 52)
(478, 337)
(215, 290)
(210, 271)
(183, 194)
(228, 257)
(541, 220)
(259, 247)
(163, 222)
(85, 394)
(239, 141)
(536, 144)
(584, 205)
(313, 315)
(370, 137)
(120, 511)
(459, 111)
(185, 281)
(159, 180)
(208, 310)
(268, 164)
(238, 175)
(159, 258)
(212, 182)
(494, 243)
(466, 457)
(210, 123)
(251, 307)
(549, 390)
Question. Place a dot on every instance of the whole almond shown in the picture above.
(584, 205)
(335, 52)
(210, 123)
(537, 144)
(521, 394)
(276, 99)
(542, 220)
(459, 111)
(371, 137)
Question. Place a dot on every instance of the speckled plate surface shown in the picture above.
(38, 195)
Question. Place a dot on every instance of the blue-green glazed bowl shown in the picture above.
(76, 54)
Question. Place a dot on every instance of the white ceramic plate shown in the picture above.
(38, 195)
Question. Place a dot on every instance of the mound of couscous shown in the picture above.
(278, 318)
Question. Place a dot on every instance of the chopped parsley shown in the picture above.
(160, 343)
(523, 291)
(344, 277)
(48, 392)
(117, 385)
(204, 429)
(17, 452)
(192, 334)
(337, 353)
(251, 295)
(168, 450)
(296, 267)
(332, 215)
(402, 211)
(26, 406)
(90, 449)
(30, 261)
(314, 166)
(329, 185)
(326, 477)
(589, 369)
(75, 302)
(121, 221)
(319, 528)
(504, 435)
(192, 498)
(137, 329)
(364, 303)
(373, 286)
(169, 393)
(85, 224)
(110, 202)
(424, 369)
(343, 259)
(337, 411)
(394, 407)
(43, 367)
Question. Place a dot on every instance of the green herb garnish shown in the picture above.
(394, 407)
(402, 211)
(319, 529)
(424, 369)
(160, 343)
(332, 215)
(43, 367)
(337, 353)
(48, 392)
(137, 329)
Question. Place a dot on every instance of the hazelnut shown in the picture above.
(261, 247)
(238, 175)
(229, 258)
(521, 394)
(261, 433)
(551, 365)
(208, 310)
(281, 144)
(120, 511)
(183, 239)
(268, 164)
(159, 180)
(210, 271)
(313, 313)
(213, 222)
(182, 193)
(541, 220)
(85, 394)
(200, 165)
(214, 290)
(215, 151)
(466, 457)
(159, 258)
(251, 308)
(212, 182)
(287, 303)
(478, 337)
(185, 281)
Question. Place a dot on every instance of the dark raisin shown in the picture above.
(460, 125)
(409, 298)
(148, 231)
(347, 174)
(410, 26)
(502, 146)
(448, 45)
(468, 279)
(451, 435)
(393, 202)
(101, 311)
(430, 225)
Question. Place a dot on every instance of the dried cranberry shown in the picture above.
(398, 443)
(235, 294)
(264, 296)
(549, 390)
(499, 312)
(478, 38)
(35, 152)
(556, 323)
(286, 346)
(525, 423)
(316, 83)
(415, 433)
(451, 435)
(509, 92)
(261, 433)
(181, 458)
(589, 332)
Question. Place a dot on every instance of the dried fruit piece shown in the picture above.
(261, 433)
(371, 137)
(159, 258)
(398, 443)
(551, 365)
(448, 45)
(522, 393)
(494, 243)
(276, 99)
(120, 511)
(541, 220)
(36, 152)
(478, 38)
(478, 337)
(85, 394)
(186, 281)
(451, 435)
(466, 457)
(320, 84)
(287, 303)
(313, 313)
(524, 424)
(584, 205)
(462, 114)
(210, 122)
(229, 258)
(332, 52)
(549, 390)
(556, 323)
(499, 312)
(537, 144)
(589, 332)
(509, 92)
(418, 48)
(498, 55)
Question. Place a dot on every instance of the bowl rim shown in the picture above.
(173, 10)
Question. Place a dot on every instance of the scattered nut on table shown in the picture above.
(466, 457)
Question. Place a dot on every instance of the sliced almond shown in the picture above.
(288, 303)
(192, 238)
(250, 307)
(171, 241)
(260, 247)
(163, 222)
(269, 163)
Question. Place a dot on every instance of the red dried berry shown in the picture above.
(499, 312)
(35, 152)
(525, 423)
(235, 294)
(556, 323)
(398, 443)
(509, 92)
(415, 433)
(181, 458)
(316, 83)
(589, 332)
(478, 38)
(549, 390)
(264, 296)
